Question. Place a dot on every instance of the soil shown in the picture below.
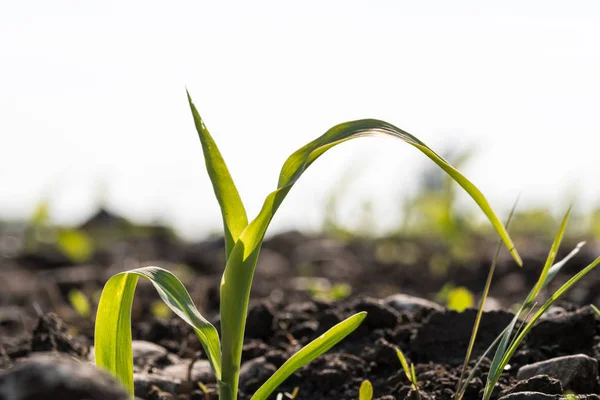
(293, 303)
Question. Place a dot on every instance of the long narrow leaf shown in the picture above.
(551, 274)
(237, 278)
(404, 363)
(484, 296)
(308, 353)
(495, 369)
(551, 257)
(507, 355)
(113, 321)
(232, 208)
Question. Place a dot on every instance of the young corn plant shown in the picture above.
(243, 240)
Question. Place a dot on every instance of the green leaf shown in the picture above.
(113, 321)
(551, 257)
(366, 391)
(232, 208)
(404, 364)
(553, 271)
(237, 278)
(496, 370)
(308, 353)
(595, 309)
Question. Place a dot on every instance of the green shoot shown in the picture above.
(595, 309)
(484, 296)
(243, 241)
(526, 313)
(409, 371)
(366, 391)
(507, 347)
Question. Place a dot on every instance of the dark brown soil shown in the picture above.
(36, 316)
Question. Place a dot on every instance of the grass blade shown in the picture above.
(551, 257)
(494, 374)
(232, 208)
(484, 296)
(366, 391)
(551, 274)
(113, 321)
(504, 343)
(308, 353)
(404, 364)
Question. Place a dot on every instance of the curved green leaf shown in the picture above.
(237, 278)
(308, 353)
(232, 208)
(113, 321)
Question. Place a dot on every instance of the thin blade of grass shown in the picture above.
(366, 391)
(551, 274)
(551, 257)
(308, 353)
(558, 266)
(504, 343)
(413, 377)
(233, 212)
(404, 363)
(113, 321)
(495, 374)
(484, 296)
(595, 309)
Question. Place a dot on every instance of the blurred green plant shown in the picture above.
(80, 303)
(74, 243)
(432, 210)
(457, 298)
(366, 390)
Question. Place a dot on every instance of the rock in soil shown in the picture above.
(577, 373)
(538, 383)
(58, 377)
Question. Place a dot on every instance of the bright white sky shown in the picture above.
(93, 103)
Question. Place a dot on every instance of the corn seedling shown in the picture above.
(366, 391)
(409, 371)
(243, 240)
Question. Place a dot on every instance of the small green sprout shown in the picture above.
(595, 309)
(409, 371)
(366, 390)
(243, 241)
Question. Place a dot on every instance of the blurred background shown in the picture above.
(101, 168)
(94, 112)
